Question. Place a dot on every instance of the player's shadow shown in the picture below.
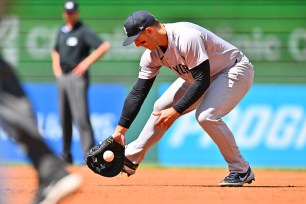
(245, 186)
(273, 187)
(208, 186)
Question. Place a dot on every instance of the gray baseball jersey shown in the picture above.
(180, 56)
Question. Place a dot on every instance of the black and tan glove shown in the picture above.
(94, 158)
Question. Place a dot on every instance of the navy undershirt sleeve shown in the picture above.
(201, 75)
(134, 101)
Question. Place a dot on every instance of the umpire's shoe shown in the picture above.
(238, 179)
(57, 189)
(129, 167)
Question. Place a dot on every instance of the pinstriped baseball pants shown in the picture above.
(225, 91)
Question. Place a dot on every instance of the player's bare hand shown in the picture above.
(119, 135)
(120, 138)
(166, 118)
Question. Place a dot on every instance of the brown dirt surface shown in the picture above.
(164, 186)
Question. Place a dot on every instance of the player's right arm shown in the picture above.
(131, 107)
(149, 69)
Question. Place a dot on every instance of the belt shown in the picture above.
(66, 71)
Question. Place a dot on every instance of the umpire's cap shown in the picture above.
(71, 6)
(135, 24)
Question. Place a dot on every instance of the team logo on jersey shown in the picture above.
(72, 41)
(181, 69)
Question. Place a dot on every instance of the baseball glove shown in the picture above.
(94, 158)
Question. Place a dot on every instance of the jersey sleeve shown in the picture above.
(149, 65)
(192, 48)
(92, 39)
(56, 44)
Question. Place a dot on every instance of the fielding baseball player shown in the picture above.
(213, 76)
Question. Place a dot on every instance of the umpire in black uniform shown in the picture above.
(71, 59)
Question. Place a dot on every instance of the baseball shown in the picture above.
(108, 156)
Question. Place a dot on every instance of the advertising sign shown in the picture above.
(269, 127)
(105, 104)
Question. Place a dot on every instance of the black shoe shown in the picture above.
(129, 167)
(238, 179)
(57, 189)
(67, 158)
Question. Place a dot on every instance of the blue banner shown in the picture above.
(269, 126)
(105, 104)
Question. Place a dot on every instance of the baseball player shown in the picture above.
(17, 118)
(71, 60)
(213, 76)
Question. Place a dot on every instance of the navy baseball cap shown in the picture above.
(70, 6)
(135, 24)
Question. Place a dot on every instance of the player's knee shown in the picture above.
(205, 117)
(159, 105)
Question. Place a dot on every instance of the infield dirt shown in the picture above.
(164, 186)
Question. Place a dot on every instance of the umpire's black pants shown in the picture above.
(73, 103)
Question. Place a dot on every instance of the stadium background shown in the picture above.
(270, 123)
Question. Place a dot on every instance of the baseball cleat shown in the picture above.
(238, 179)
(129, 167)
(56, 190)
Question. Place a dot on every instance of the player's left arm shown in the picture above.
(201, 75)
(192, 49)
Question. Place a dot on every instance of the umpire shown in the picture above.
(71, 59)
